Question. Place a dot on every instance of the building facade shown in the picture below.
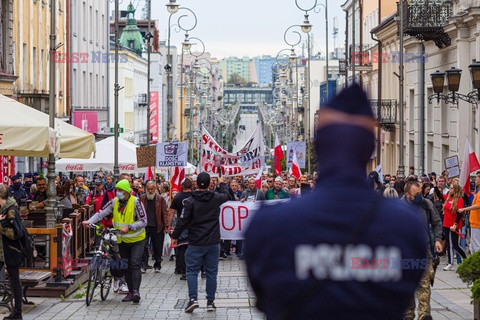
(88, 77)
(7, 76)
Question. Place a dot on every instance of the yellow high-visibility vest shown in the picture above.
(127, 218)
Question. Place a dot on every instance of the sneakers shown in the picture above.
(449, 267)
(123, 288)
(211, 306)
(14, 315)
(116, 285)
(192, 305)
(143, 270)
(157, 269)
(183, 277)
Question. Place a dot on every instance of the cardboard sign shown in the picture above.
(245, 161)
(172, 154)
(146, 156)
(452, 166)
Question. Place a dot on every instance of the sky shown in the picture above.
(247, 27)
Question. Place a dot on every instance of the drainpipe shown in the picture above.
(421, 112)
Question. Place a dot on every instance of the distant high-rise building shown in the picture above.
(263, 67)
(240, 66)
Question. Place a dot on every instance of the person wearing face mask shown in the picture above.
(28, 182)
(16, 190)
(413, 196)
(157, 226)
(130, 219)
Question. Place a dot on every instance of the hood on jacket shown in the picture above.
(203, 196)
(9, 203)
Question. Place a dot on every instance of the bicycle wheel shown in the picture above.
(92, 280)
(106, 282)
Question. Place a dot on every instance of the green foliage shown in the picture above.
(469, 272)
(62, 297)
(235, 78)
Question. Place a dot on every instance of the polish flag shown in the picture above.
(177, 178)
(469, 164)
(258, 178)
(149, 175)
(295, 168)
(277, 157)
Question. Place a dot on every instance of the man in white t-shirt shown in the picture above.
(441, 183)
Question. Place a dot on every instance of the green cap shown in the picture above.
(123, 185)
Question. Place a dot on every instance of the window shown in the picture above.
(445, 120)
(42, 64)
(34, 65)
(411, 108)
(3, 35)
(25, 66)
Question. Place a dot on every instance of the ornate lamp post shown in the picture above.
(173, 8)
(454, 76)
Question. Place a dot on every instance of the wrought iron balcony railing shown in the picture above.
(388, 116)
(425, 20)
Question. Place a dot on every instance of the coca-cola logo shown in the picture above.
(74, 167)
(126, 167)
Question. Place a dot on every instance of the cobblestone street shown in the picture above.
(163, 296)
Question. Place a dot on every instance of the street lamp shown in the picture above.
(454, 76)
(186, 44)
(306, 26)
(172, 7)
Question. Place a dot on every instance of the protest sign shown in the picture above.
(245, 161)
(172, 154)
(298, 148)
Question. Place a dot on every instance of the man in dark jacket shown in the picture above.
(157, 224)
(322, 257)
(201, 217)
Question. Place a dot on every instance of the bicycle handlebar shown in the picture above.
(106, 230)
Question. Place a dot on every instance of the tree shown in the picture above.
(236, 79)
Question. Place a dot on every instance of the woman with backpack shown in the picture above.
(12, 233)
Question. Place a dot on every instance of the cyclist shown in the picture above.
(130, 218)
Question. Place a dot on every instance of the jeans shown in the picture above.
(157, 246)
(133, 252)
(194, 257)
(180, 258)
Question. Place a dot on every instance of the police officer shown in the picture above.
(130, 218)
(321, 257)
(16, 190)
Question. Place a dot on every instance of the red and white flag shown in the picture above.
(177, 178)
(277, 157)
(469, 164)
(258, 178)
(295, 168)
(149, 174)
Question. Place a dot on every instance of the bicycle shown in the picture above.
(100, 273)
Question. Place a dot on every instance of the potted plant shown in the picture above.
(469, 272)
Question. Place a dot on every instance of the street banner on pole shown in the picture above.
(235, 217)
(153, 116)
(299, 149)
(172, 154)
(245, 161)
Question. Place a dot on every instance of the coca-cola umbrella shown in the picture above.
(25, 131)
(104, 157)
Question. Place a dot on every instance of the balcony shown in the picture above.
(361, 57)
(388, 117)
(425, 20)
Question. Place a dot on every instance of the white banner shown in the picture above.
(299, 148)
(235, 217)
(247, 160)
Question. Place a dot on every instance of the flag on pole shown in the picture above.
(380, 172)
(295, 168)
(177, 178)
(149, 175)
(258, 178)
(277, 157)
(470, 163)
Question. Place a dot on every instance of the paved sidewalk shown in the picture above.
(164, 296)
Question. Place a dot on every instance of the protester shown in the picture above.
(157, 225)
(390, 193)
(235, 188)
(201, 217)
(265, 188)
(277, 192)
(12, 232)
(295, 249)
(474, 218)
(452, 223)
(441, 185)
(413, 196)
(252, 193)
(176, 209)
(426, 187)
(130, 218)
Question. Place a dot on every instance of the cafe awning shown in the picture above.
(25, 131)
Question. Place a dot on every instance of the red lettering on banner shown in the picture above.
(233, 218)
(125, 167)
(72, 167)
(240, 217)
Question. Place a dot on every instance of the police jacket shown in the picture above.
(200, 216)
